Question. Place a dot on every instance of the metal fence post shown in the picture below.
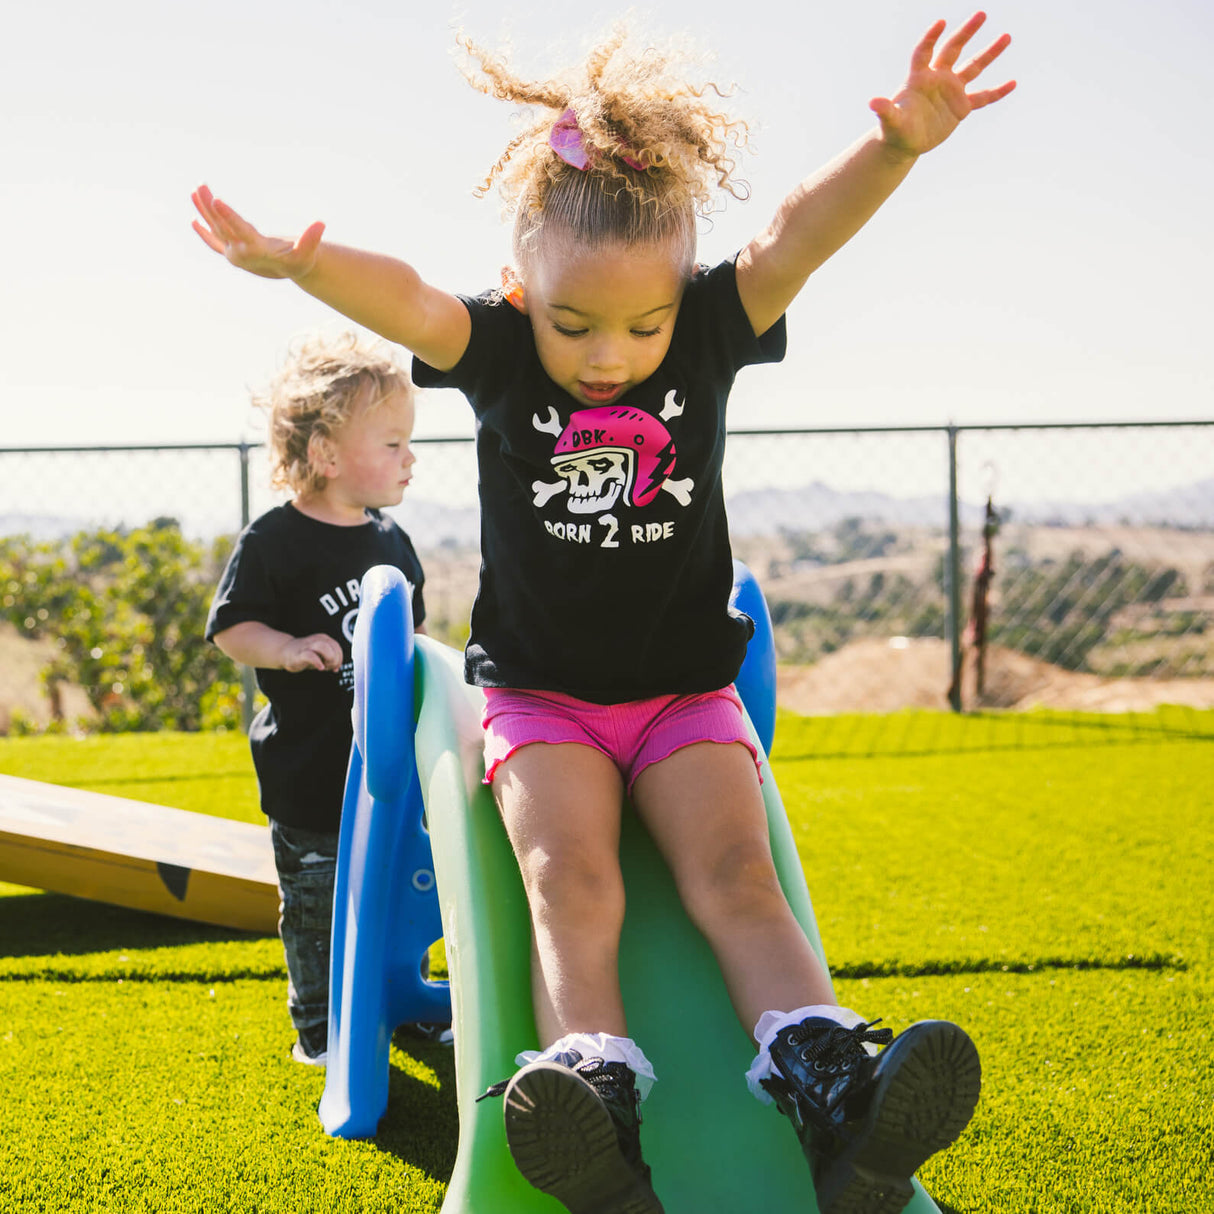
(248, 680)
(953, 571)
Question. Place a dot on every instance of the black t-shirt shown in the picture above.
(303, 576)
(606, 567)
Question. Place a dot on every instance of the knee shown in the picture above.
(738, 884)
(573, 886)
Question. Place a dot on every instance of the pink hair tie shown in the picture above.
(567, 142)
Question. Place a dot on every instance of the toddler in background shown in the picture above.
(340, 419)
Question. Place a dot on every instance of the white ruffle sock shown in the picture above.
(770, 1023)
(599, 1045)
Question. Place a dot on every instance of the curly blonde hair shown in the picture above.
(323, 382)
(629, 106)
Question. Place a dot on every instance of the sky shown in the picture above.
(1051, 262)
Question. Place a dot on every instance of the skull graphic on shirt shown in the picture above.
(608, 454)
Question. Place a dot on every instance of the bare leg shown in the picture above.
(561, 808)
(704, 809)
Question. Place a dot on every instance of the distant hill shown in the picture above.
(810, 507)
(817, 506)
(1185, 506)
(42, 527)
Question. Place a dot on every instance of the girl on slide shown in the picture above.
(601, 634)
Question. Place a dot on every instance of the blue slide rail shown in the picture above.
(385, 904)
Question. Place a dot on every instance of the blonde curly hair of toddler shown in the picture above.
(658, 149)
(323, 383)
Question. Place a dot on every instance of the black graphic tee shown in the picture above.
(303, 576)
(606, 566)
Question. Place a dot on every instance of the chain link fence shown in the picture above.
(1011, 567)
(1007, 567)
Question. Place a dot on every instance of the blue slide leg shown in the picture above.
(385, 905)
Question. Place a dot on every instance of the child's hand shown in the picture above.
(317, 652)
(934, 99)
(244, 246)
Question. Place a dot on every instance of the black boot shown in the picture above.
(573, 1128)
(867, 1123)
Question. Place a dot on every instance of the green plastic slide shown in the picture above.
(712, 1147)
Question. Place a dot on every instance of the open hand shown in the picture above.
(245, 247)
(934, 99)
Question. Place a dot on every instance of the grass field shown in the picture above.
(1049, 888)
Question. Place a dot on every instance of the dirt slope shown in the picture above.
(878, 675)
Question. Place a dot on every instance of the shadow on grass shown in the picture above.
(40, 924)
(1000, 965)
(191, 777)
(421, 1126)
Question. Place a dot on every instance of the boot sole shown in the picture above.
(928, 1086)
(564, 1143)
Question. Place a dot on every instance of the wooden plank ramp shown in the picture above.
(135, 854)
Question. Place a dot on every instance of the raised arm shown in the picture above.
(382, 294)
(826, 210)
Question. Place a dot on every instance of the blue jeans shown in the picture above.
(307, 864)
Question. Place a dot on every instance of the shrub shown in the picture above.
(126, 611)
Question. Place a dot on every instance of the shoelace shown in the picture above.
(599, 1074)
(601, 1077)
(570, 1058)
(847, 1042)
(846, 1045)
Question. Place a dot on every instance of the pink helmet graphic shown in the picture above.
(639, 437)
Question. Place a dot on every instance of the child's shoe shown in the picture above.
(573, 1128)
(312, 1045)
(425, 1030)
(868, 1122)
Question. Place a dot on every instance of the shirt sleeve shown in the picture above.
(719, 325)
(245, 591)
(499, 333)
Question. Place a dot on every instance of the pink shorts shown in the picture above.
(632, 735)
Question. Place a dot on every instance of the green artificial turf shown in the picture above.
(970, 859)
(180, 1096)
(210, 773)
(1048, 890)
